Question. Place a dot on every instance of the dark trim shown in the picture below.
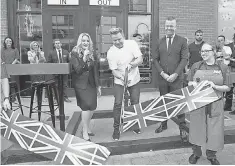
(21, 12)
(140, 13)
(73, 125)
(12, 22)
(121, 147)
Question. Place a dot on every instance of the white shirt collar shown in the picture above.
(172, 36)
(58, 49)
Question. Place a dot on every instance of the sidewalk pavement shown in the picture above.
(162, 157)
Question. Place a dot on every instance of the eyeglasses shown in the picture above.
(205, 51)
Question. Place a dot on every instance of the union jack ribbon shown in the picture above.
(167, 106)
(56, 145)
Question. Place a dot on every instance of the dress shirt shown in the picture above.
(57, 50)
(172, 38)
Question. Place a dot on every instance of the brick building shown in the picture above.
(44, 20)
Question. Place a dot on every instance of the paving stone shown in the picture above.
(140, 161)
(159, 158)
(230, 147)
(109, 161)
(122, 162)
(177, 158)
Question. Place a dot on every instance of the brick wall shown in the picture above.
(4, 30)
(191, 15)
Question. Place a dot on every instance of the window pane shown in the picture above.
(140, 6)
(103, 43)
(30, 29)
(141, 24)
(29, 5)
(63, 29)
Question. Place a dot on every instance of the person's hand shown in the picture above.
(187, 70)
(85, 56)
(164, 75)
(212, 84)
(172, 77)
(41, 60)
(6, 104)
(99, 90)
(192, 83)
(129, 67)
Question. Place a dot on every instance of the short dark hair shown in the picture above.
(198, 31)
(114, 31)
(56, 39)
(221, 36)
(136, 34)
(170, 18)
(12, 44)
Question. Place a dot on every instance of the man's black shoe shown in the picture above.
(161, 128)
(227, 109)
(214, 161)
(116, 134)
(67, 100)
(232, 113)
(137, 131)
(193, 159)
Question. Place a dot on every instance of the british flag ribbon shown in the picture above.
(40, 138)
(165, 107)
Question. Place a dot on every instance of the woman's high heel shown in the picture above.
(91, 134)
(84, 138)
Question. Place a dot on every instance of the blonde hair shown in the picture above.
(79, 42)
(31, 46)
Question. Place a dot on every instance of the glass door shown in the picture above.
(61, 25)
(104, 20)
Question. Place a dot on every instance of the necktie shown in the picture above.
(60, 57)
(169, 43)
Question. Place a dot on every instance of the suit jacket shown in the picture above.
(231, 45)
(174, 60)
(82, 73)
(53, 57)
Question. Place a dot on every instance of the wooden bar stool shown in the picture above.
(13, 85)
(50, 87)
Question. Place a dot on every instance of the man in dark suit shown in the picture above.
(170, 61)
(228, 96)
(59, 55)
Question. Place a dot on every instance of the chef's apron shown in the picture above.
(208, 129)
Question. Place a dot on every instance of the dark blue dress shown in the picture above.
(85, 82)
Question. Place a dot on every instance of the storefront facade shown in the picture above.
(45, 20)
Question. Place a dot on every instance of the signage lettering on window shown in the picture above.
(104, 2)
(63, 2)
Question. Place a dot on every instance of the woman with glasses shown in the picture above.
(36, 56)
(85, 80)
(207, 123)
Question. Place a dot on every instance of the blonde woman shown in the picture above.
(85, 80)
(36, 56)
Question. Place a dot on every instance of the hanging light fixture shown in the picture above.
(29, 22)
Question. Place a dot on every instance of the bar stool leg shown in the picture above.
(39, 96)
(10, 99)
(31, 102)
(51, 104)
(18, 98)
(56, 93)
